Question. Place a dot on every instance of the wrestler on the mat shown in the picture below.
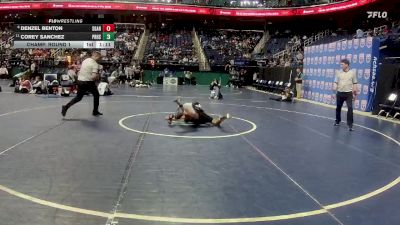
(193, 113)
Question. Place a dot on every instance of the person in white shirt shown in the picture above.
(87, 76)
(71, 73)
(3, 71)
(345, 85)
(359, 33)
(33, 68)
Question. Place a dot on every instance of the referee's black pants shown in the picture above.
(83, 88)
(342, 97)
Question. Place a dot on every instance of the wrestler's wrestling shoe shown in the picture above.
(178, 101)
(217, 122)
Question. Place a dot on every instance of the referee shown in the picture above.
(346, 86)
(87, 76)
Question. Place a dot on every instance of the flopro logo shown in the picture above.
(377, 14)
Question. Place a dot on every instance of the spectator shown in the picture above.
(3, 71)
(359, 33)
(37, 85)
(299, 82)
(25, 85)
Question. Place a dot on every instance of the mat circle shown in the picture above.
(121, 123)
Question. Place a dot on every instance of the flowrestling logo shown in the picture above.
(324, 60)
(322, 85)
(325, 47)
(323, 72)
(321, 48)
(338, 46)
(377, 14)
(349, 57)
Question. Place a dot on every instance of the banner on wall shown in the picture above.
(322, 62)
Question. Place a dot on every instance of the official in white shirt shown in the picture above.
(87, 76)
(345, 85)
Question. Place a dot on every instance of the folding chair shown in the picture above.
(390, 105)
(49, 87)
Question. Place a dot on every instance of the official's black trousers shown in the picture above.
(342, 97)
(83, 88)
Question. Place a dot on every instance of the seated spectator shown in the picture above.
(215, 89)
(359, 33)
(286, 96)
(72, 73)
(221, 46)
(25, 86)
(189, 79)
(3, 71)
(37, 85)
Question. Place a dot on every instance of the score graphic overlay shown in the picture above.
(50, 35)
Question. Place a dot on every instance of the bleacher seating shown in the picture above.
(221, 46)
(171, 48)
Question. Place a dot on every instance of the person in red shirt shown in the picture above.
(25, 86)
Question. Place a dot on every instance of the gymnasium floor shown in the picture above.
(273, 163)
